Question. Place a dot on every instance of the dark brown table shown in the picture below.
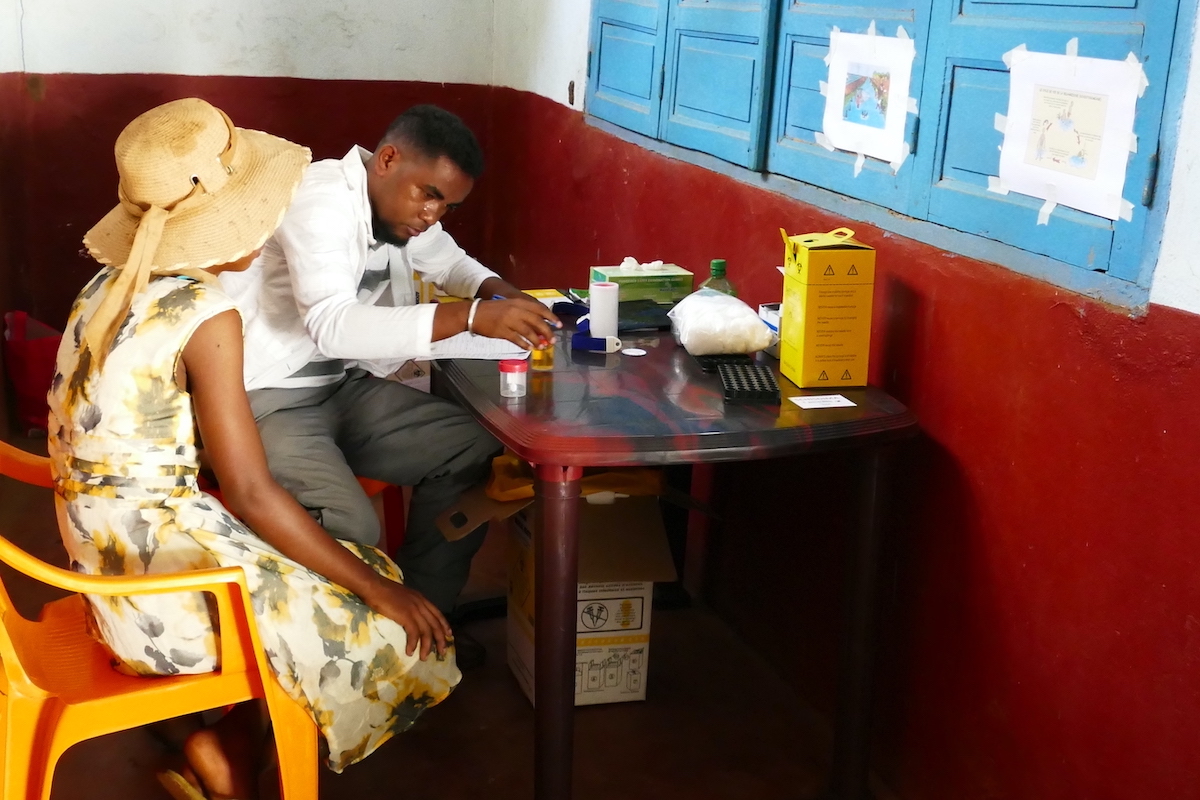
(596, 410)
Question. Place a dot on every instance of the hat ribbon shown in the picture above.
(102, 328)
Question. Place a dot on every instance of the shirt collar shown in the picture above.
(354, 164)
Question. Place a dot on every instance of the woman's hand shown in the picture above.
(420, 618)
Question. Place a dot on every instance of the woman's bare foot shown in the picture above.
(226, 757)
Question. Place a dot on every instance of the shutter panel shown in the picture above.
(626, 61)
(718, 69)
(965, 57)
(800, 67)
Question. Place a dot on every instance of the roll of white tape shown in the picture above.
(602, 308)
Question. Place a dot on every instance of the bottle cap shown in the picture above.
(514, 365)
(717, 267)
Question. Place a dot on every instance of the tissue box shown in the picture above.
(825, 327)
(666, 284)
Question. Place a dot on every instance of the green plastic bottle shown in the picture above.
(716, 278)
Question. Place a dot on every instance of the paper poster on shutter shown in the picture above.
(866, 99)
(1069, 128)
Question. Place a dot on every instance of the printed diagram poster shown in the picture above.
(866, 98)
(1069, 130)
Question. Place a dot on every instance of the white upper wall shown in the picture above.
(409, 40)
(10, 37)
(538, 46)
(1177, 275)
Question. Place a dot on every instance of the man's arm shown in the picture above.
(518, 318)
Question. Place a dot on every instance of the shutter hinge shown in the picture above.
(662, 79)
(589, 64)
(1151, 181)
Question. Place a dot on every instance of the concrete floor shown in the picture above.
(718, 723)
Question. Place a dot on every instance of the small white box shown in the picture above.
(769, 313)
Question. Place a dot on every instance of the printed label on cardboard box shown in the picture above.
(623, 550)
(600, 614)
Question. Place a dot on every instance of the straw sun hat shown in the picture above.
(194, 192)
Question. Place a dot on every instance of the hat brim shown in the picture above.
(232, 224)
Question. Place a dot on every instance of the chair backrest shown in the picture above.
(239, 645)
(238, 650)
(12, 626)
(33, 469)
(24, 466)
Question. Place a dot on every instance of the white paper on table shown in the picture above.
(1068, 129)
(867, 98)
(822, 401)
(469, 345)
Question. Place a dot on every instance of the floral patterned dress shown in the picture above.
(125, 465)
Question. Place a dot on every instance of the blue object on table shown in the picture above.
(582, 339)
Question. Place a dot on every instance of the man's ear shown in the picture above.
(386, 158)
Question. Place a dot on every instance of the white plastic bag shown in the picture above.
(708, 322)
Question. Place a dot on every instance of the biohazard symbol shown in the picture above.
(829, 270)
(853, 270)
(823, 376)
(846, 376)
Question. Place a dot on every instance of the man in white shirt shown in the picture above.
(329, 308)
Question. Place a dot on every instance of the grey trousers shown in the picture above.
(317, 440)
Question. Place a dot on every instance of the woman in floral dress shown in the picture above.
(153, 349)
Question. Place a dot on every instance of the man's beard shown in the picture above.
(384, 233)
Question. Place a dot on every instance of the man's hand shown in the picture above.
(424, 624)
(521, 320)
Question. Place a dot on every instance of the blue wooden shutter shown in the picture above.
(626, 62)
(966, 47)
(800, 67)
(717, 74)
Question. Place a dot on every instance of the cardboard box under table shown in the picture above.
(622, 552)
(825, 327)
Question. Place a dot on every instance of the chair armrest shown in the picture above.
(25, 467)
(194, 580)
(240, 645)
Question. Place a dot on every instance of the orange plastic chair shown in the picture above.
(58, 686)
(393, 513)
(24, 466)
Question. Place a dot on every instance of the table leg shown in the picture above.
(556, 571)
(852, 727)
(695, 553)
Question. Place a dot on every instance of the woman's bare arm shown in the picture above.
(213, 363)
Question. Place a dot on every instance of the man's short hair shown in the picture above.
(435, 132)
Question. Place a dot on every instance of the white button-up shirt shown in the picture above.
(301, 301)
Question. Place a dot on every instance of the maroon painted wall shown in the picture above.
(68, 124)
(11, 227)
(1042, 625)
